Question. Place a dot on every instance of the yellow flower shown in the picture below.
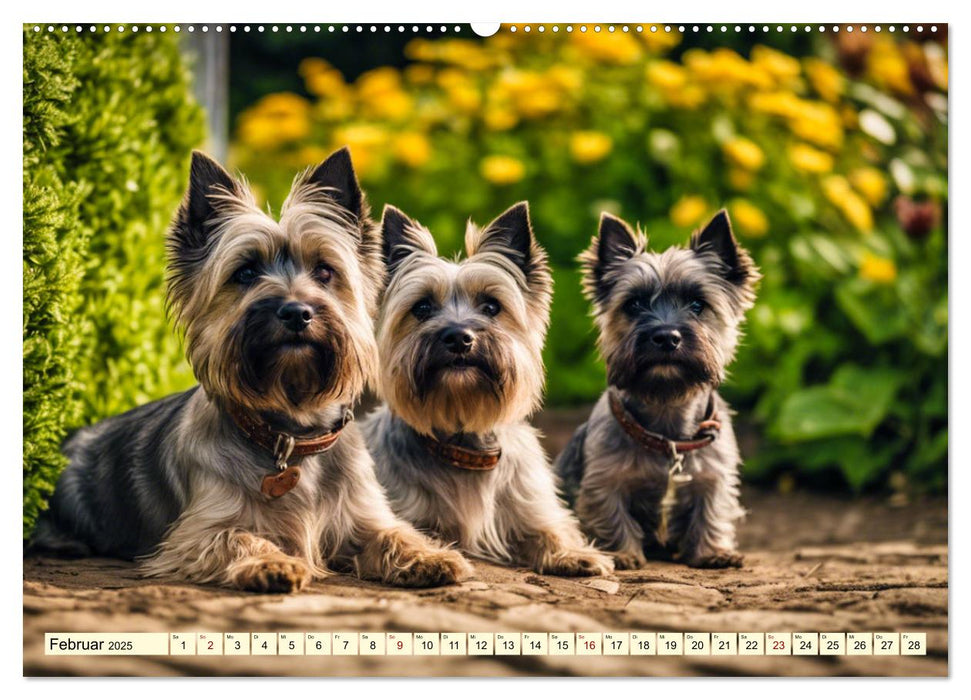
(283, 103)
(809, 159)
(531, 93)
(724, 69)
(378, 81)
(502, 170)
(826, 80)
(311, 66)
(871, 183)
(851, 205)
(781, 66)
(779, 104)
(326, 83)
(888, 67)
(744, 153)
(419, 74)
(464, 53)
(462, 92)
(877, 269)
(367, 143)
(672, 81)
(857, 212)
(421, 50)
(666, 75)
(818, 123)
(616, 48)
(566, 77)
(688, 210)
(740, 179)
(748, 218)
(412, 149)
(381, 94)
(660, 41)
(311, 154)
(499, 118)
(589, 146)
(276, 119)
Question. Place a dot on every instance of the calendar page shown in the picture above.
(485, 350)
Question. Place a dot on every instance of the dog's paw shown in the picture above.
(280, 574)
(718, 559)
(628, 560)
(430, 569)
(578, 562)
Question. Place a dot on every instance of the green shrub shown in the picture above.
(108, 126)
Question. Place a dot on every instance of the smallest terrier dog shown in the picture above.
(654, 471)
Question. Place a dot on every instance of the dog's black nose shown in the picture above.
(666, 339)
(458, 339)
(295, 315)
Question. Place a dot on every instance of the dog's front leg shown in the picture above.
(401, 556)
(559, 549)
(208, 545)
(605, 517)
(208, 552)
(702, 521)
(388, 549)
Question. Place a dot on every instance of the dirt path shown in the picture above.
(813, 564)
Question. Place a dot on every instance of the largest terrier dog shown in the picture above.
(461, 368)
(655, 468)
(253, 479)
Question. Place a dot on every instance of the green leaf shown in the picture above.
(853, 403)
(872, 309)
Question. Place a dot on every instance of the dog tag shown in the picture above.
(276, 485)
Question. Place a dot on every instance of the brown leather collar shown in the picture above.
(284, 446)
(706, 434)
(462, 457)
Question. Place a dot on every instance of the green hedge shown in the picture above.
(108, 126)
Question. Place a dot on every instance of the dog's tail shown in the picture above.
(569, 465)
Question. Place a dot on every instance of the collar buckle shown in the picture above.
(282, 452)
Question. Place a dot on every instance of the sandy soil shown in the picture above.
(812, 564)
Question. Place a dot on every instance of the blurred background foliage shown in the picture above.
(108, 126)
(828, 149)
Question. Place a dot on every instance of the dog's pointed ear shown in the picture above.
(336, 178)
(208, 180)
(210, 191)
(615, 243)
(735, 264)
(510, 235)
(402, 237)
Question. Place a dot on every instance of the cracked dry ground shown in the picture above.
(812, 564)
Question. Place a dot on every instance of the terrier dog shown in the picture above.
(461, 368)
(254, 479)
(654, 471)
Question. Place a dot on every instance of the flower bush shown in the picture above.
(832, 166)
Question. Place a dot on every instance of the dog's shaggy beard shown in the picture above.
(434, 391)
(657, 377)
(299, 368)
(260, 366)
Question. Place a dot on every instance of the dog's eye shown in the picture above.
(696, 306)
(491, 307)
(247, 274)
(324, 273)
(423, 309)
(634, 306)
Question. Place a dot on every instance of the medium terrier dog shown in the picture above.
(461, 368)
(669, 324)
(254, 479)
